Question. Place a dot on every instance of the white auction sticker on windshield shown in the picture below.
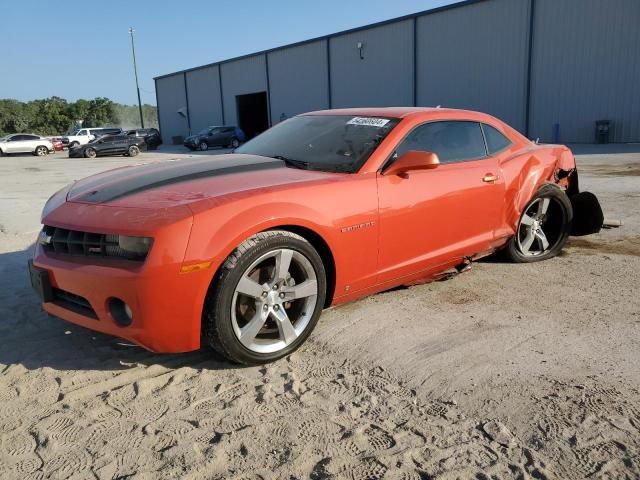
(368, 121)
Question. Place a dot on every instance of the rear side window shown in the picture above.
(453, 141)
(496, 141)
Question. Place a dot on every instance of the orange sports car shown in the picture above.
(243, 251)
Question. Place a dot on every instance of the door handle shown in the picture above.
(490, 178)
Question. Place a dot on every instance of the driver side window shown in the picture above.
(452, 141)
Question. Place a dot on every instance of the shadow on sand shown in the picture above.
(32, 338)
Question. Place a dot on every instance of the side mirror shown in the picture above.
(413, 160)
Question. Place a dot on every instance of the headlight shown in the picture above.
(55, 201)
(127, 247)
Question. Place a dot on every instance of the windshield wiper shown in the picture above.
(290, 162)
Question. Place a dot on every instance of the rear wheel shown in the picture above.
(235, 143)
(203, 146)
(543, 228)
(90, 153)
(41, 151)
(266, 299)
(133, 151)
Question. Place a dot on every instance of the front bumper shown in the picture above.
(166, 304)
(166, 314)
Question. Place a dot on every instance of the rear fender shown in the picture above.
(531, 176)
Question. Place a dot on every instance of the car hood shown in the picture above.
(192, 137)
(178, 182)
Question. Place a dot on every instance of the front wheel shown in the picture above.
(543, 228)
(90, 153)
(74, 144)
(266, 299)
(133, 151)
(203, 146)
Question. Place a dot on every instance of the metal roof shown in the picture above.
(326, 37)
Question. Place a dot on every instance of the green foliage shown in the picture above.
(55, 116)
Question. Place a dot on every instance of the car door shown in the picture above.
(22, 144)
(104, 145)
(30, 143)
(121, 144)
(431, 218)
(215, 137)
(12, 144)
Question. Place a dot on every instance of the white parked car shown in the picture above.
(85, 135)
(25, 143)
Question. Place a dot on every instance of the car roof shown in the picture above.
(402, 112)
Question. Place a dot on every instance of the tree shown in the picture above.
(55, 116)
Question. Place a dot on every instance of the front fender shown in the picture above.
(213, 239)
(218, 232)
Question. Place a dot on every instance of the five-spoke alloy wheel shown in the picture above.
(274, 301)
(266, 299)
(543, 228)
(41, 151)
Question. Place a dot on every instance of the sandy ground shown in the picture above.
(509, 371)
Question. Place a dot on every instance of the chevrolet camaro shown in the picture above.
(242, 252)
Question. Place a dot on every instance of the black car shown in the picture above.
(226, 136)
(109, 145)
(151, 136)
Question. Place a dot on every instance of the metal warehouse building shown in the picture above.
(550, 68)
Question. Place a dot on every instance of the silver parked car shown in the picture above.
(25, 143)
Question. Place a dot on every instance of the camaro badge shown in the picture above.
(357, 227)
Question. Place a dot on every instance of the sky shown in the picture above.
(82, 49)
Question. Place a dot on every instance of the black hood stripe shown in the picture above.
(184, 171)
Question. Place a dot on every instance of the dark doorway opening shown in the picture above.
(253, 115)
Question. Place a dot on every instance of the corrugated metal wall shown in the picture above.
(586, 67)
(239, 77)
(205, 107)
(475, 57)
(298, 80)
(384, 77)
(171, 98)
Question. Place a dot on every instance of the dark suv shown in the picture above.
(109, 145)
(151, 136)
(226, 136)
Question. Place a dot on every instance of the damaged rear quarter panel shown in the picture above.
(526, 172)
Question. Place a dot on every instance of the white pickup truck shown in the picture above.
(83, 136)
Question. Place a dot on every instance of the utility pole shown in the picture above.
(135, 71)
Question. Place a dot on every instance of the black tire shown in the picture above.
(557, 222)
(234, 143)
(217, 323)
(203, 146)
(41, 151)
(133, 151)
(90, 153)
(74, 144)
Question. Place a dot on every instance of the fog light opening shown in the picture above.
(121, 312)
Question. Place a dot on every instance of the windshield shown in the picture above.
(333, 143)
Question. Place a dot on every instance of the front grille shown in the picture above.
(73, 302)
(77, 243)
